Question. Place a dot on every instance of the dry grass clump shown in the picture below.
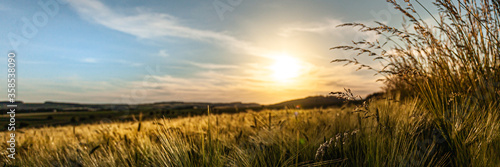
(457, 55)
(451, 65)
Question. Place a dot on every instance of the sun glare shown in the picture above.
(285, 67)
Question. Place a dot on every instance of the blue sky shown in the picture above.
(102, 51)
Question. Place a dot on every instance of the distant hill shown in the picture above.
(310, 102)
(174, 105)
(63, 113)
(60, 106)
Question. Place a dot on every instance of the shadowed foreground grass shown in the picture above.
(385, 133)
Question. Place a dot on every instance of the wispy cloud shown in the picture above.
(89, 60)
(249, 82)
(253, 84)
(119, 61)
(149, 25)
(212, 66)
(327, 27)
(163, 53)
(74, 89)
(128, 63)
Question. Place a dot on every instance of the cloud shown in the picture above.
(214, 82)
(328, 27)
(148, 25)
(73, 89)
(163, 53)
(324, 27)
(212, 66)
(89, 60)
(128, 63)
(252, 84)
(119, 61)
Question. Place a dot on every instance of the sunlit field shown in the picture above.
(440, 106)
(266, 138)
(382, 133)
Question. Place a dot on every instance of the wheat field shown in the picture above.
(440, 108)
(382, 133)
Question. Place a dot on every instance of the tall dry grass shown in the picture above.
(450, 64)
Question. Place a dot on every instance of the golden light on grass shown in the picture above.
(285, 67)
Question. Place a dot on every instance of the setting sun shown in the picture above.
(285, 67)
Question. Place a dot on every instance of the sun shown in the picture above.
(285, 67)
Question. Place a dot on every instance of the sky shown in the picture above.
(103, 51)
